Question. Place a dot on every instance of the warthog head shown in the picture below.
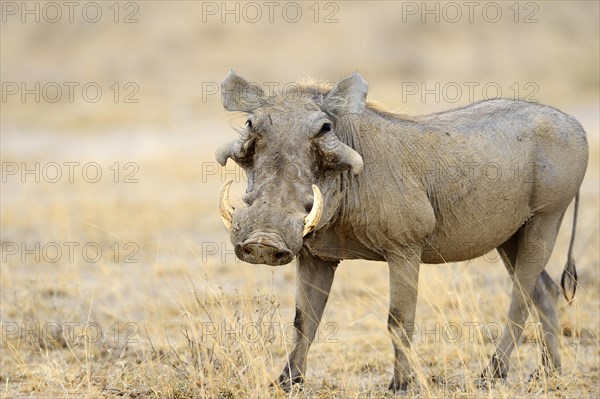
(290, 151)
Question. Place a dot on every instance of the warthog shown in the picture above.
(331, 177)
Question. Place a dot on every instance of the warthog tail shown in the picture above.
(568, 281)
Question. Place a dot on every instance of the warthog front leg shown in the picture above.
(313, 283)
(404, 278)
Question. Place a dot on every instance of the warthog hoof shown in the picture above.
(484, 381)
(285, 382)
(399, 385)
(492, 374)
(495, 371)
(550, 378)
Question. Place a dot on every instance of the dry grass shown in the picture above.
(180, 321)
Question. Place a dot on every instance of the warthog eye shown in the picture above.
(325, 128)
(249, 123)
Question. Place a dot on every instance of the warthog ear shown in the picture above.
(239, 95)
(348, 96)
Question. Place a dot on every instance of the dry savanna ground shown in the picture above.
(117, 278)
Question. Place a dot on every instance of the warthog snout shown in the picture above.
(264, 248)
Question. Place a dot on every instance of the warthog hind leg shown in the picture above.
(525, 255)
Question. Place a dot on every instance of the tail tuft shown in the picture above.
(568, 281)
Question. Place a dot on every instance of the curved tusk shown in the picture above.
(225, 208)
(312, 219)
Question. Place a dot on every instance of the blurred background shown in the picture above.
(111, 114)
